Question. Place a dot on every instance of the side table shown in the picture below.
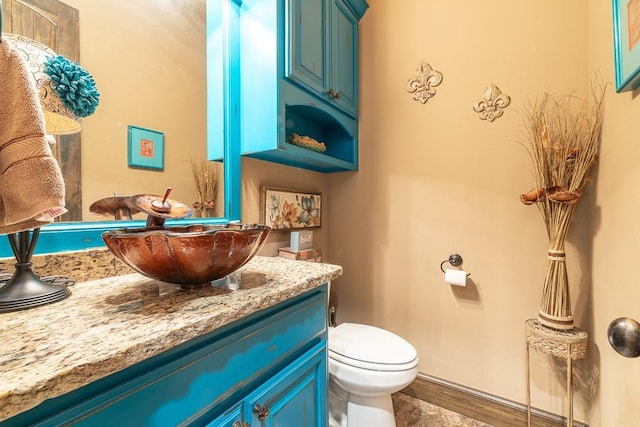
(570, 345)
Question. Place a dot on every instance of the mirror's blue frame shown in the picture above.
(223, 127)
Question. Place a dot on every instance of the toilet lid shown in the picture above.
(370, 345)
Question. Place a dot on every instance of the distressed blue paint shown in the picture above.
(223, 97)
(321, 39)
(344, 48)
(233, 174)
(358, 7)
(223, 140)
(292, 53)
(233, 415)
(297, 396)
(307, 51)
(212, 377)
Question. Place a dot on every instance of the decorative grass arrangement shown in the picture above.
(205, 178)
(564, 141)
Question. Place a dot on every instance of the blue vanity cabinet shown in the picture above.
(296, 396)
(271, 365)
(298, 75)
(231, 418)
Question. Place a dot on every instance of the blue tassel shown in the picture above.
(73, 84)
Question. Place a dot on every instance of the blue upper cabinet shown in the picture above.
(322, 51)
(343, 88)
(307, 46)
(298, 78)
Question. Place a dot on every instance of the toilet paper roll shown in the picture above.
(455, 277)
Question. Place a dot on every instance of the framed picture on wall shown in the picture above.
(145, 149)
(626, 44)
(283, 209)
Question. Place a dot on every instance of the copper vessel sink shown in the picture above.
(191, 256)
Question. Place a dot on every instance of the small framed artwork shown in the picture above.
(283, 209)
(626, 44)
(145, 149)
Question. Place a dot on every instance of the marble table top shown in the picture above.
(109, 324)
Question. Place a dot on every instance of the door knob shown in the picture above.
(262, 412)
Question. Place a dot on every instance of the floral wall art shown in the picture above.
(283, 209)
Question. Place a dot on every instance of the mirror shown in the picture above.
(156, 70)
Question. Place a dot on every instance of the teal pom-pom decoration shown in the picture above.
(73, 84)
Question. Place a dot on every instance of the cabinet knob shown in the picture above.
(333, 94)
(262, 412)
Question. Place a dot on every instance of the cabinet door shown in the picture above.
(296, 396)
(231, 418)
(307, 44)
(344, 57)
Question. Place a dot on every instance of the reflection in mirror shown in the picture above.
(149, 61)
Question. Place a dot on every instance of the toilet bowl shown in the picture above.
(366, 365)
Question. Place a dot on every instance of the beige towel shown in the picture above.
(31, 183)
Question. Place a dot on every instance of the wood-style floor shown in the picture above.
(412, 412)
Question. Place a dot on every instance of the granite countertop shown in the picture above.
(109, 324)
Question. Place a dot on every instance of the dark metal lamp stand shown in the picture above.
(25, 289)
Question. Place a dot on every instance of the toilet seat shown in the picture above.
(371, 348)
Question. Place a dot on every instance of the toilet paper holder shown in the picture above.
(455, 260)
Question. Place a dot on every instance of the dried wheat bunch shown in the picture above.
(564, 141)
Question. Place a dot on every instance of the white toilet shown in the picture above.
(366, 365)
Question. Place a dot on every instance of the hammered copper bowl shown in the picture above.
(191, 256)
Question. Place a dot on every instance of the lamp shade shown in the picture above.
(59, 119)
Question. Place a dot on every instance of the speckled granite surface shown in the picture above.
(80, 266)
(109, 324)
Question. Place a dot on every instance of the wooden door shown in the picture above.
(56, 25)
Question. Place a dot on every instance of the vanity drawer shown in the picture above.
(228, 365)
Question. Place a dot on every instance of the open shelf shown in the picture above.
(313, 122)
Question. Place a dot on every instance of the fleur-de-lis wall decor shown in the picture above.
(492, 103)
(422, 85)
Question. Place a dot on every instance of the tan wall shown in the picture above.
(616, 245)
(148, 61)
(436, 180)
(256, 173)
